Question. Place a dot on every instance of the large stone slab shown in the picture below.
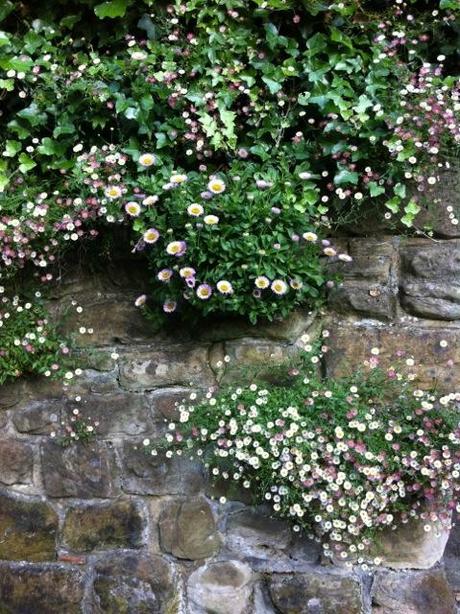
(102, 526)
(158, 475)
(411, 592)
(133, 583)
(351, 341)
(16, 462)
(28, 530)
(177, 365)
(188, 529)
(430, 279)
(220, 588)
(79, 470)
(34, 589)
(315, 592)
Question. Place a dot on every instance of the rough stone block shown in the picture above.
(97, 527)
(132, 583)
(220, 588)
(16, 462)
(79, 470)
(411, 592)
(173, 366)
(188, 529)
(38, 418)
(27, 530)
(316, 592)
(33, 589)
(430, 284)
(157, 475)
(351, 343)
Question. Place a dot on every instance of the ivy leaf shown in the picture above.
(26, 163)
(273, 86)
(400, 190)
(12, 148)
(393, 204)
(112, 8)
(345, 176)
(375, 189)
(448, 4)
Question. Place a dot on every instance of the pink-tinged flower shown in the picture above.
(187, 271)
(262, 282)
(176, 248)
(204, 291)
(169, 306)
(279, 287)
(141, 300)
(224, 287)
(151, 235)
(147, 159)
(113, 191)
(165, 274)
(150, 200)
(133, 209)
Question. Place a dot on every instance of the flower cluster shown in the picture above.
(29, 342)
(75, 428)
(341, 459)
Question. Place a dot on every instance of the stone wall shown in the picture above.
(103, 528)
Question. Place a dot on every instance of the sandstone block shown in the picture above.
(16, 462)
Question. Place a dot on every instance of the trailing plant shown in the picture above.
(341, 459)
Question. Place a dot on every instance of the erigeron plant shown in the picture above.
(341, 459)
(75, 427)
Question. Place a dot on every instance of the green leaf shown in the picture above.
(6, 7)
(345, 176)
(449, 4)
(112, 8)
(273, 86)
(12, 148)
(26, 163)
(4, 40)
(400, 190)
(375, 189)
(393, 204)
(7, 84)
(412, 208)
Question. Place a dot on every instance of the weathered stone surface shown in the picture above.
(351, 343)
(316, 592)
(452, 558)
(367, 285)
(163, 403)
(3, 418)
(27, 530)
(134, 584)
(232, 328)
(410, 546)
(39, 418)
(173, 366)
(34, 589)
(444, 194)
(97, 527)
(250, 358)
(411, 592)
(79, 470)
(220, 588)
(157, 475)
(251, 529)
(188, 529)
(16, 462)
(430, 284)
(121, 413)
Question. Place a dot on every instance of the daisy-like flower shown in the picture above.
(279, 286)
(211, 220)
(140, 300)
(150, 200)
(329, 251)
(113, 191)
(147, 159)
(310, 236)
(295, 284)
(132, 208)
(169, 306)
(138, 55)
(204, 291)
(165, 274)
(262, 282)
(224, 287)
(151, 235)
(176, 248)
(178, 178)
(195, 209)
(186, 272)
(216, 185)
